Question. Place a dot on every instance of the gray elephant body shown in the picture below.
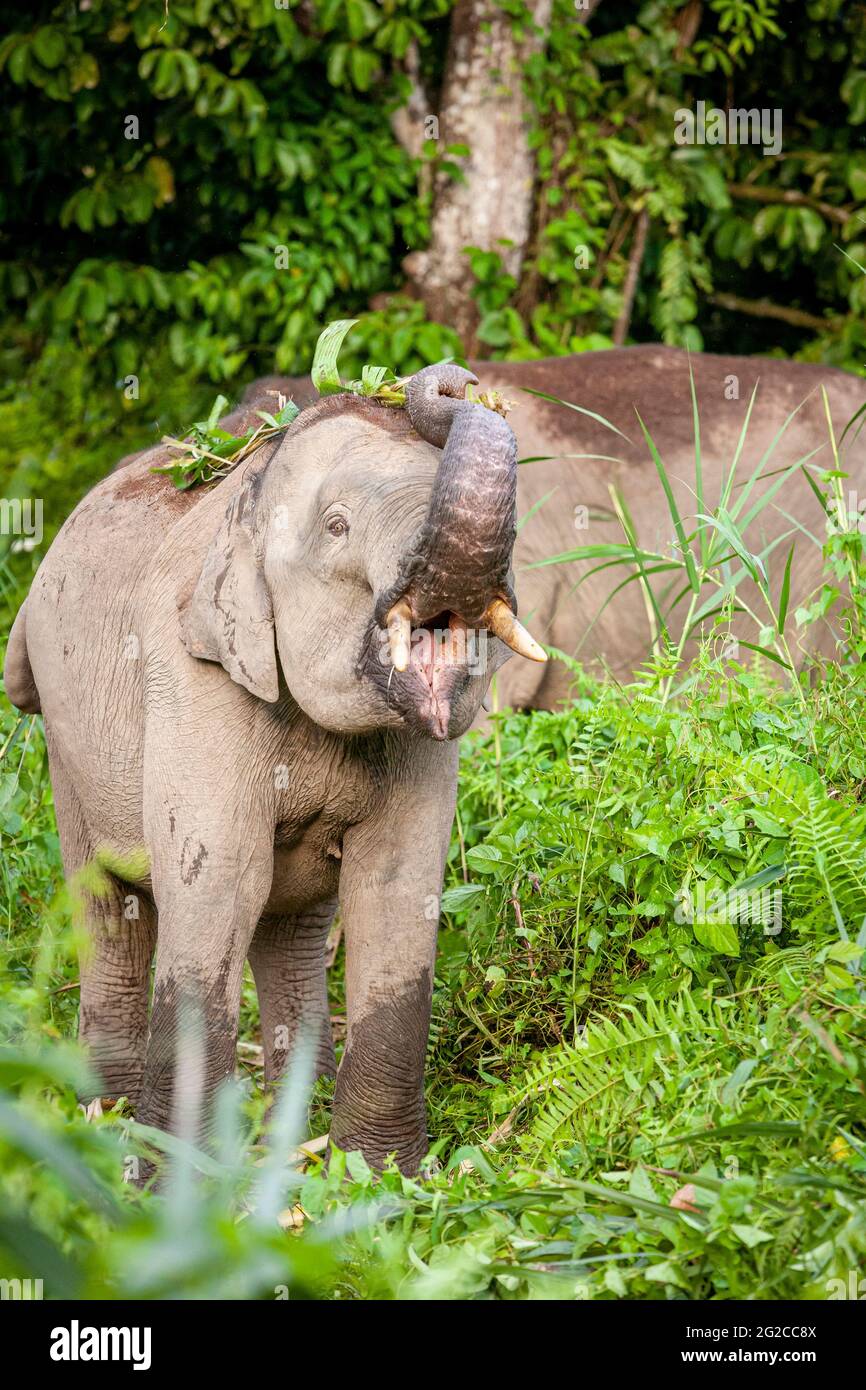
(260, 789)
(584, 617)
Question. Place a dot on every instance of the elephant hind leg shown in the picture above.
(287, 955)
(120, 925)
(115, 988)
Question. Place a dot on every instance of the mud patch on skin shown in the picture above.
(191, 860)
(155, 487)
(379, 1103)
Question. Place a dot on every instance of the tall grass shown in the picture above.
(712, 554)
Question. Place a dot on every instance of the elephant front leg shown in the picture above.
(209, 903)
(287, 956)
(391, 879)
(379, 1102)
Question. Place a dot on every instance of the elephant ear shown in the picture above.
(229, 617)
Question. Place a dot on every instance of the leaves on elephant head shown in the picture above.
(208, 452)
(325, 373)
(375, 382)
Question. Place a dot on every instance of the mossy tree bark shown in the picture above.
(484, 107)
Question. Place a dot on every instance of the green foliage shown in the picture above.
(721, 217)
(375, 381)
(66, 1212)
(263, 191)
(208, 452)
(260, 193)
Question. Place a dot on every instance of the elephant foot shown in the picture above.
(116, 1079)
(381, 1127)
(378, 1150)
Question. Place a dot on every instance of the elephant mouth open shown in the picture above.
(422, 667)
(443, 654)
(440, 658)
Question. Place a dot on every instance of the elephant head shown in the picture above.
(376, 567)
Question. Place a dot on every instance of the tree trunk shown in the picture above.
(635, 260)
(482, 106)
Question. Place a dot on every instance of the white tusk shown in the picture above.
(503, 624)
(399, 625)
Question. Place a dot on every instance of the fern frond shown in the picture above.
(607, 1073)
(829, 854)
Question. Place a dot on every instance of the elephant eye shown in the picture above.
(337, 526)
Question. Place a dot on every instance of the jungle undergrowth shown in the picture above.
(715, 1060)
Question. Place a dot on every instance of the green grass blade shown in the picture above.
(830, 429)
(554, 458)
(758, 507)
(654, 617)
(723, 524)
(766, 651)
(767, 454)
(688, 558)
(734, 579)
(631, 579)
(608, 550)
(582, 410)
(324, 373)
(854, 418)
(535, 508)
(817, 491)
(785, 594)
(699, 469)
(728, 487)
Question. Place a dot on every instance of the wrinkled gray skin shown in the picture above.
(655, 381)
(215, 686)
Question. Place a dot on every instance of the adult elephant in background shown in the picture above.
(567, 499)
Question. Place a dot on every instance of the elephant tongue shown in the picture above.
(436, 650)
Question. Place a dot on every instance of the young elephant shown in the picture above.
(243, 680)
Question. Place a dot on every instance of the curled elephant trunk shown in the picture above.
(460, 558)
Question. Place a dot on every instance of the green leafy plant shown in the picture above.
(209, 452)
(378, 383)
